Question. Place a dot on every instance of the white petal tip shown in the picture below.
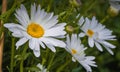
(17, 47)
(54, 51)
(36, 53)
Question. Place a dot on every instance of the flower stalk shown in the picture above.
(63, 66)
(51, 61)
(12, 55)
(23, 57)
(105, 18)
(4, 7)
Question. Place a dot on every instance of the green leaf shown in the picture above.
(32, 68)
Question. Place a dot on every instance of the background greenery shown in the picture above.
(61, 60)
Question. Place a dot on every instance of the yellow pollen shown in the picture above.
(90, 32)
(74, 51)
(35, 30)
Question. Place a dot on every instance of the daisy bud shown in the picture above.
(113, 11)
(69, 28)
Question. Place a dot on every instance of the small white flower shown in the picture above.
(76, 49)
(42, 68)
(40, 29)
(97, 34)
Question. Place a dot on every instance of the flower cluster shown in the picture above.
(41, 29)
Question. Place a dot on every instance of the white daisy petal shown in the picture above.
(73, 59)
(73, 40)
(26, 34)
(18, 34)
(90, 62)
(68, 41)
(36, 49)
(87, 67)
(52, 48)
(81, 21)
(115, 5)
(94, 23)
(13, 26)
(47, 18)
(109, 50)
(56, 31)
(36, 53)
(54, 42)
(37, 46)
(60, 36)
(52, 22)
(91, 42)
(90, 57)
(98, 46)
(42, 14)
(32, 43)
(39, 16)
(21, 42)
(33, 11)
(42, 68)
(22, 16)
(81, 34)
(108, 44)
(86, 24)
(41, 43)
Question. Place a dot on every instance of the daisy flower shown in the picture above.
(42, 68)
(40, 29)
(97, 34)
(76, 49)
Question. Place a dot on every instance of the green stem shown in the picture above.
(104, 19)
(76, 28)
(49, 6)
(12, 55)
(21, 66)
(68, 13)
(47, 52)
(63, 66)
(22, 57)
(45, 58)
(90, 7)
(51, 61)
(43, 61)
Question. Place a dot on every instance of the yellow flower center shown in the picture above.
(35, 30)
(74, 51)
(90, 32)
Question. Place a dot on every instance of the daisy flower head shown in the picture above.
(42, 68)
(97, 34)
(40, 29)
(76, 49)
